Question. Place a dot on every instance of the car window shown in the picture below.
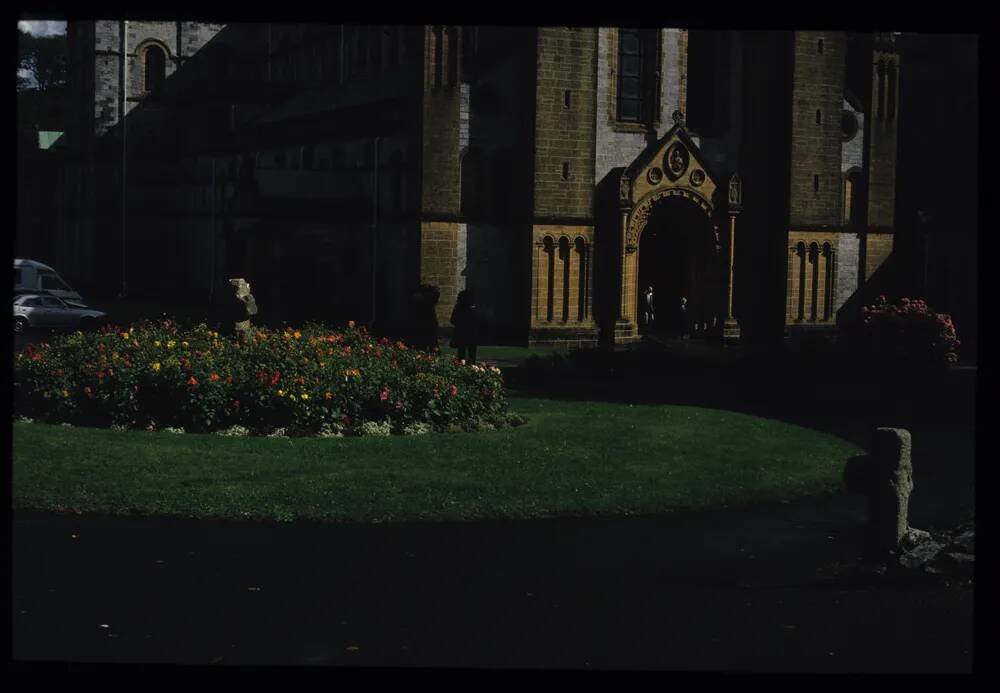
(31, 302)
(51, 281)
(50, 302)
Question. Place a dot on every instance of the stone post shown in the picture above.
(886, 477)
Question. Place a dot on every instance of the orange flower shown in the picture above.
(192, 381)
(329, 395)
(215, 377)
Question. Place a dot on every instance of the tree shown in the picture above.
(43, 58)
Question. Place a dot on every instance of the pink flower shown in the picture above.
(453, 390)
(385, 394)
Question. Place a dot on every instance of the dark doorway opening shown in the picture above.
(678, 259)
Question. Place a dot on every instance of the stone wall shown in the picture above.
(811, 280)
(878, 247)
(882, 147)
(816, 186)
(564, 134)
(618, 144)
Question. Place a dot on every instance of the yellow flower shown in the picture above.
(125, 335)
(298, 335)
(184, 344)
(305, 396)
(65, 393)
(281, 393)
(291, 396)
(170, 344)
(156, 343)
(156, 366)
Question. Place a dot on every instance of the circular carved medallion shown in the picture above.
(655, 175)
(697, 177)
(676, 161)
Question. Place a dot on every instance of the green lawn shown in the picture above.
(571, 458)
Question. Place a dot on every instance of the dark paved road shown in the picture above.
(773, 589)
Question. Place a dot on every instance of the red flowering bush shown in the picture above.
(908, 333)
(157, 375)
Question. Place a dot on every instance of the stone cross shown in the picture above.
(243, 294)
(886, 477)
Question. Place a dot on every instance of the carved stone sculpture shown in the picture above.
(243, 294)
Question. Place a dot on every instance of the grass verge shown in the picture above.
(572, 458)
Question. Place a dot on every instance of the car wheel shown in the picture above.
(20, 325)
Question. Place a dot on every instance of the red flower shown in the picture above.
(275, 379)
(385, 394)
(399, 405)
(215, 377)
(236, 403)
(229, 378)
(453, 390)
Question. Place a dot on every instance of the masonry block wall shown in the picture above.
(564, 134)
(441, 168)
(882, 137)
(817, 99)
(878, 247)
(565, 92)
(817, 182)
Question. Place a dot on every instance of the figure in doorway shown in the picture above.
(683, 319)
(466, 318)
(648, 311)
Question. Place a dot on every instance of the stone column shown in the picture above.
(731, 328)
(622, 312)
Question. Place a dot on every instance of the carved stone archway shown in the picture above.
(673, 167)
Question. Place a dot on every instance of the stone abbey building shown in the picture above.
(556, 171)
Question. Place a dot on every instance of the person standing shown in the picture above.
(648, 310)
(683, 317)
(466, 318)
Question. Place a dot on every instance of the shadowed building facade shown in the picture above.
(554, 170)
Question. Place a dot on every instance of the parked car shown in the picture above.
(30, 275)
(51, 312)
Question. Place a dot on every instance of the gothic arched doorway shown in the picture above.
(677, 257)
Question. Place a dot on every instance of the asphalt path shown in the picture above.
(774, 588)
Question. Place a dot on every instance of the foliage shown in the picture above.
(44, 57)
(158, 375)
(908, 333)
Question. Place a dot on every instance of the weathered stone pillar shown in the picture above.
(886, 477)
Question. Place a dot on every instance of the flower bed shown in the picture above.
(909, 333)
(309, 381)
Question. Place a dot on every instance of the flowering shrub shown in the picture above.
(160, 375)
(909, 333)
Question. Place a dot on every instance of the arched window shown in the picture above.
(154, 68)
(438, 55)
(891, 95)
(638, 66)
(564, 259)
(881, 90)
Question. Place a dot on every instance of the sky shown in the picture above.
(42, 27)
